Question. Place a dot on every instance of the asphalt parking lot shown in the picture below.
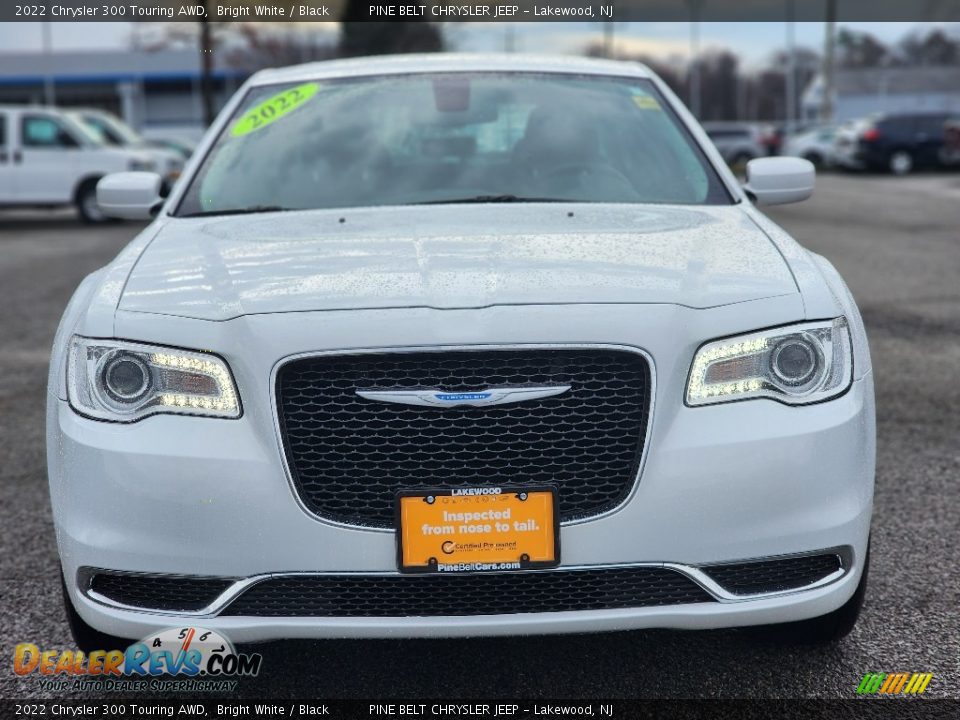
(896, 241)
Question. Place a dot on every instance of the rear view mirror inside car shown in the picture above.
(452, 94)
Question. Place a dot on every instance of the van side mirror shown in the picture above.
(779, 180)
(130, 195)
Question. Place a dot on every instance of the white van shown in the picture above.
(116, 133)
(49, 159)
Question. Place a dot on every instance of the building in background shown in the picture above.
(153, 91)
(860, 92)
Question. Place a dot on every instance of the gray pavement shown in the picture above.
(896, 241)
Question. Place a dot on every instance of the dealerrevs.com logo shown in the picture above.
(894, 683)
(184, 658)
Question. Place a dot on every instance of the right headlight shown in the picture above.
(796, 365)
(141, 165)
(124, 381)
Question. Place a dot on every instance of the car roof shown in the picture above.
(33, 107)
(54, 108)
(89, 111)
(448, 62)
(912, 114)
(728, 125)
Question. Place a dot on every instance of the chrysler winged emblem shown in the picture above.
(479, 398)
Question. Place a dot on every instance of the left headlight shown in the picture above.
(174, 169)
(124, 382)
(796, 365)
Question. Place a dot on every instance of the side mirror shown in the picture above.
(130, 195)
(779, 180)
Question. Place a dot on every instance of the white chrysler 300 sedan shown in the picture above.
(447, 346)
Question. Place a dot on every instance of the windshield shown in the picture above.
(113, 131)
(84, 132)
(457, 137)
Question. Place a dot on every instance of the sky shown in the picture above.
(753, 41)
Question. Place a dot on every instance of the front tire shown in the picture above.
(87, 206)
(85, 637)
(900, 162)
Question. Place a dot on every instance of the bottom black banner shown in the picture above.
(116, 708)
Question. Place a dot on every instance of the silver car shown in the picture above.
(737, 143)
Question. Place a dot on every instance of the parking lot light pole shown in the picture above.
(608, 31)
(791, 77)
(49, 89)
(509, 38)
(206, 68)
(695, 7)
(829, 43)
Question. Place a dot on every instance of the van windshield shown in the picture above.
(82, 132)
(451, 137)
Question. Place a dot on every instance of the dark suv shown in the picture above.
(895, 142)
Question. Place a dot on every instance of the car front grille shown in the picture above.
(159, 592)
(767, 576)
(484, 594)
(348, 456)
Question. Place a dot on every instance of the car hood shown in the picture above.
(454, 256)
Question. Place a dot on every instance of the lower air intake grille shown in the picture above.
(768, 576)
(154, 592)
(492, 594)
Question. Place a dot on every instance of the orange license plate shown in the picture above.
(477, 529)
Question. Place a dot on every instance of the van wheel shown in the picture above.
(825, 629)
(900, 163)
(85, 637)
(87, 206)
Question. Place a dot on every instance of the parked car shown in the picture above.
(181, 147)
(815, 144)
(48, 158)
(775, 136)
(184, 135)
(115, 132)
(533, 363)
(951, 141)
(898, 143)
(772, 138)
(738, 143)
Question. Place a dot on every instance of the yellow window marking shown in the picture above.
(274, 108)
(645, 102)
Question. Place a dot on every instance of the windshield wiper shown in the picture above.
(238, 211)
(490, 199)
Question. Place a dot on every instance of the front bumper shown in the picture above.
(848, 156)
(178, 495)
(191, 496)
(699, 616)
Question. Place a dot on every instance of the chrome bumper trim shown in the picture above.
(695, 573)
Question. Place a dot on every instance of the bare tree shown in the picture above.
(719, 76)
(861, 50)
(933, 48)
(671, 73)
(262, 46)
(361, 36)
